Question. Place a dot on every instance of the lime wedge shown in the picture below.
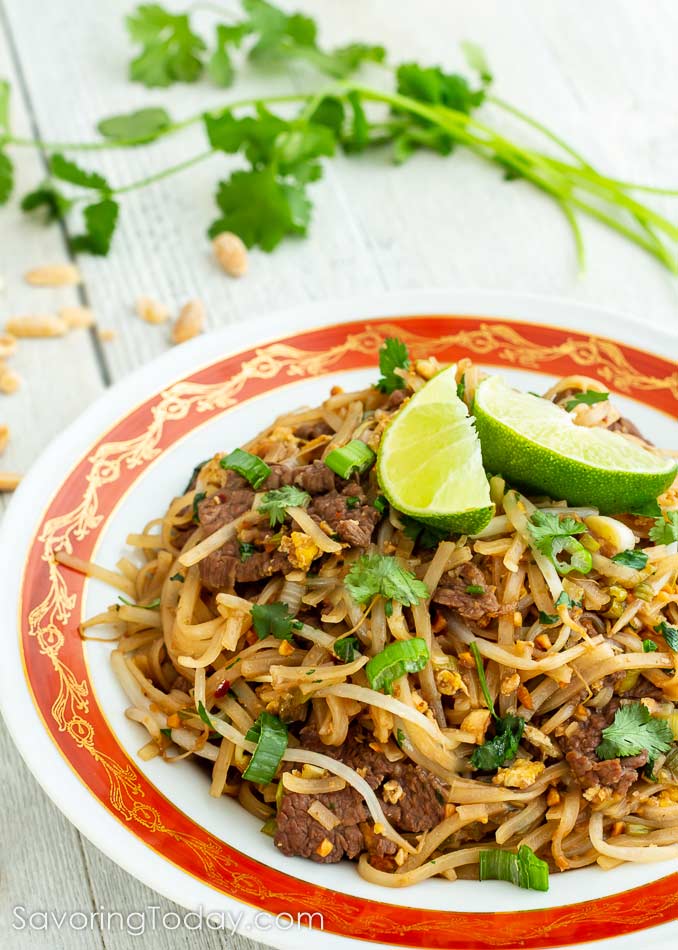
(429, 463)
(533, 443)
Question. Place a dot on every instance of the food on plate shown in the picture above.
(308, 620)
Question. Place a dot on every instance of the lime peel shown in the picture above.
(536, 444)
(430, 465)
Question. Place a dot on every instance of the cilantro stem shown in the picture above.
(179, 126)
(164, 173)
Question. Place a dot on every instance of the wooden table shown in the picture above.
(602, 74)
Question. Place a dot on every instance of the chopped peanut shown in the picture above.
(286, 648)
(509, 684)
(450, 809)
(393, 792)
(618, 828)
(231, 253)
(9, 481)
(439, 623)
(553, 797)
(581, 713)
(467, 660)
(336, 390)
(525, 697)
(190, 322)
(36, 325)
(53, 275)
(152, 311)
(77, 318)
(8, 345)
(174, 721)
(597, 794)
(324, 848)
(378, 828)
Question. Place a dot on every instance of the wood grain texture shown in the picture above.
(602, 75)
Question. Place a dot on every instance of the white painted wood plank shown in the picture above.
(43, 866)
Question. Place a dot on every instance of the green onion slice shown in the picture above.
(351, 458)
(249, 466)
(580, 559)
(270, 735)
(405, 656)
(523, 869)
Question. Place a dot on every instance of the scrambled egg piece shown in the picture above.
(521, 774)
(667, 797)
(300, 549)
(449, 681)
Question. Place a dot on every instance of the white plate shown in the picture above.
(185, 785)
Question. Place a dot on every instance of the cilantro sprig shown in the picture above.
(633, 731)
(393, 355)
(587, 398)
(278, 500)
(665, 528)
(424, 108)
(553, 536)
(374, 574)
(274, 620)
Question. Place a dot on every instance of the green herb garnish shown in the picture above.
(197, 498)
(635, 559)
(548, 619)
(346, 649)
(665, 528)
(588, 398)
(274, 620)
(374, 574)
(270, 735)
(277, 501)
(246, 550)
(508, 729)
(669, 633)
(393, 355)
(475, 589)
(649, 646)
(634, 731)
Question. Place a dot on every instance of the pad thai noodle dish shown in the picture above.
(430, 627)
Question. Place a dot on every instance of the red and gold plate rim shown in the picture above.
(58, 677)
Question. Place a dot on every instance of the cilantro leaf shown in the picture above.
(246, 550)
(278, 34)
(330, 112)
(548, 619)
(649, 646)
(358, 135)
(544, 526)
(665, 529)
(650, 509)
(634, 731)
(344, 60)
(631, 558)
(47, 199)
(273, 620)
(393, 355)
(276, 502)
(141, 126)
(67, 170)
(261, 209)
(669, 633)
(374, 574)
(503, 747)
(476, 59)
(346, 649)
(588, 398)
(6, 177)
(297, 146)
(566, 600)
(430, 84)
(100, 221)
(171, 51)
(220, 65)
(254, 135)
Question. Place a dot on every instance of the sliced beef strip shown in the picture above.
(419, 809)
(315, 478)
(589, 771)
(223, 568)
(352, 525)
(219, 509)
(451, 592)
(397, 398)
(313, 430)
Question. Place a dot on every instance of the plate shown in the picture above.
(116, 468)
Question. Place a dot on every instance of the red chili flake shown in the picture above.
(222, 689)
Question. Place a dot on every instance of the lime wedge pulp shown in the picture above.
(429, 463)
(532, 442)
